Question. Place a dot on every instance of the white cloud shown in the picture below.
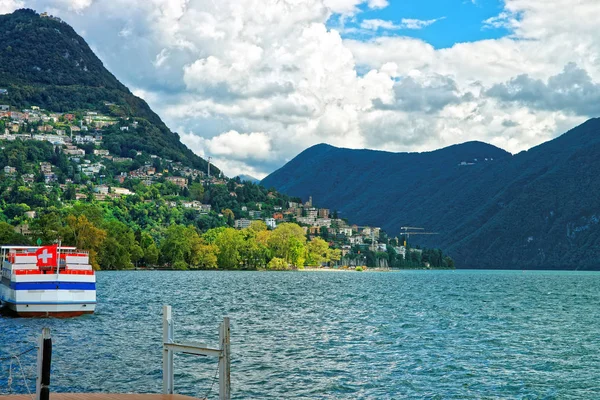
(377, 4)
(405, 23)
(8, 6)
(254, 82)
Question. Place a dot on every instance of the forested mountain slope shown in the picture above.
(536, 209)
(45, 63)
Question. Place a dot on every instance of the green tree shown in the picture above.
(196, 191)
(277, 264)
(151, 254)
(115, 252)
(230, 243)
(287, 242)
(318, 252)
(9, 236)
(81, 233)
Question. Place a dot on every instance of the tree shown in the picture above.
(47, 226)
(230, 243)
(277, 264)
(136, 254)
(176, 246)
(151, 254)
(205, 255)
(9, 236)
(229, 215)
(115, 252)
(287, 242)
(196, 191)
(318, 252)
(257, 226)
(82, 234)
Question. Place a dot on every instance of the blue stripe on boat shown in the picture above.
(50, 303)
(53, 285)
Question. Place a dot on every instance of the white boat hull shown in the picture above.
(30, 292)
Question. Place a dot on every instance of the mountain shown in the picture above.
(45, 63)
(536, 209)
(248, 178)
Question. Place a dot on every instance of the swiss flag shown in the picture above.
(47, 256)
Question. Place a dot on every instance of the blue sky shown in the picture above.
(459, 20)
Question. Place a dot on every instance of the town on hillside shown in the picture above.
(55, 159)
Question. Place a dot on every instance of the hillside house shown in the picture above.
(323, 213)
(241, 223)
(177, 180)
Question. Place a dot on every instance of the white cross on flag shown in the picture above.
(46, 256)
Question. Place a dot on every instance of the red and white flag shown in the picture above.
(47, 256)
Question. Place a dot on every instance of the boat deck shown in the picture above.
(103, 396)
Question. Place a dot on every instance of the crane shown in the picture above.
(413, 230)
(208, 171)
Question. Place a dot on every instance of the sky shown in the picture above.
(252, 83)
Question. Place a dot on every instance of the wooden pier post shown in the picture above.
(44, 362)
(224, 361)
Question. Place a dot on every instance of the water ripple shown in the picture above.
(413, 334)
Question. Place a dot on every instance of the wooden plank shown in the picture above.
(103, 396)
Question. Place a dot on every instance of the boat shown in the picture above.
(46, 281)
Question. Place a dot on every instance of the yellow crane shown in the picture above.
(413, 230)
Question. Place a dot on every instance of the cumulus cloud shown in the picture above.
(570, 90)
(252, 83)
(7, 6)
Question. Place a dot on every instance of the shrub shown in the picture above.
(277, 264)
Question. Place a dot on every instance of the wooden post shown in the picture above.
(168, 374)
(224, 361)
(44, 361)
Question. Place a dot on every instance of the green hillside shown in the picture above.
(45, 63)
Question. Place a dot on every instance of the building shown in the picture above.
(355, 240)
(102, 189)
(242, 223)
(177, 180)
(271, 223)
(255, 214)
(323, 213)
(45, 167)
(101, 152)
(312, 213)
(278, 216)
(122, 191)
(74, 151)
(9, 170)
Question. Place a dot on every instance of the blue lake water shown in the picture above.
(333, 335)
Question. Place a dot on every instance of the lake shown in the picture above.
(333, 335)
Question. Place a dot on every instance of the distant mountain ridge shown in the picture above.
(248, 178)
(45, 63)
(536, 209)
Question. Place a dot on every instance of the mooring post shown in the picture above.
(168, 374)
(224, 361)
(44, 362)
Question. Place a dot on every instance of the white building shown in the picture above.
(242, 223)
(271, 223)
(122, 191)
